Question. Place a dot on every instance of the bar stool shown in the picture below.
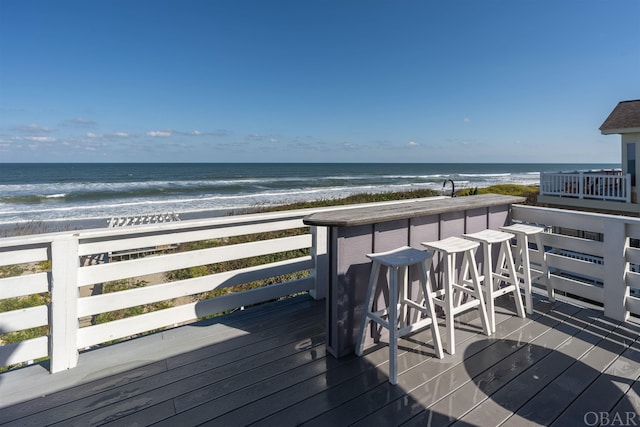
(523, 262)
(450, 247)
(505, 271)
(398, 262)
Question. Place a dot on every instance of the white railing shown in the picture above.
(610, 186)
(69, 288)
(606, 262)
(71, 302)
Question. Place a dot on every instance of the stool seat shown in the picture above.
(526, 229)
(400, 257)
(489, 236)
(451, 245)
(504, 272)
(395, 316)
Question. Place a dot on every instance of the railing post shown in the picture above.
(543, 183)
(63, 317)
(581, 185)
(627, 188)
(320, 261)
(615, 270)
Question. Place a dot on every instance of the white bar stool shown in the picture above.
(449, 248)
(523, 233)
(398, 262)
(505, 271)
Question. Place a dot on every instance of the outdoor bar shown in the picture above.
(353, 233)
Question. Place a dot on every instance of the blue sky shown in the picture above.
(319, 81)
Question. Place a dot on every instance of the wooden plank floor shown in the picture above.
(268, 366)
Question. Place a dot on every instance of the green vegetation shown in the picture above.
(123, 285)
(530, 192)
(352, 200)
(238, 264)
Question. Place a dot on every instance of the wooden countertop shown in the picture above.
(410, 209)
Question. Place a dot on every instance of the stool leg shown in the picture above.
(506, 257)
(368, 302)
(545, 270)
(428, 298)
(477, 292)
(526, 271)
(393, 325)
(463, 273)
(403, 321)
(489, 285)
(448, 302)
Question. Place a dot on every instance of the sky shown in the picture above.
(498, 81)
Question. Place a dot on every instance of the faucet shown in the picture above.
(453, 187)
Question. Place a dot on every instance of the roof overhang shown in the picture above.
(620, 131)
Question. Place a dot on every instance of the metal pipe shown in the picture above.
(453, 186)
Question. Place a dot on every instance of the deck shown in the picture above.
(564, 365)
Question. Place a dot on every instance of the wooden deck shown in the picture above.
(268, 366)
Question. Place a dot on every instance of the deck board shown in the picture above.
(269, 366)
(516, 393)
(183, 379)
(551, 402)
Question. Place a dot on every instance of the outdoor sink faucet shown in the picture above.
(453, 187)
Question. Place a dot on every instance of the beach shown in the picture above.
(80, 196)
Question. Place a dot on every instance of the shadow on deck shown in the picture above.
(268, 365)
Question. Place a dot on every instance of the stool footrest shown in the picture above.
(503, 291)
(378, 319)
(416, 306)
(414, 326)
(467, 287)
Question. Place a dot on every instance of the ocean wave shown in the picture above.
(93, 195)
(483, 175)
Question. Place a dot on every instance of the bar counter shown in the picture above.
(353, 233)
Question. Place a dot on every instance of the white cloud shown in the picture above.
(467, 120)
(159, 133)
(255, 137)
(196, 132)
(92, 135)
(413, 144)
(33, 128)
(79, 122)
(39, 138)
(121, 134)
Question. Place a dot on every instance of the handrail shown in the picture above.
(592, 246)
(70, 292)
(609, 186)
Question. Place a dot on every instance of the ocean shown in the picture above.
(91, 194)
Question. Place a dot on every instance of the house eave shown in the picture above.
(620, 131)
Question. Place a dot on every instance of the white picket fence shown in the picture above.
(69, 275)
